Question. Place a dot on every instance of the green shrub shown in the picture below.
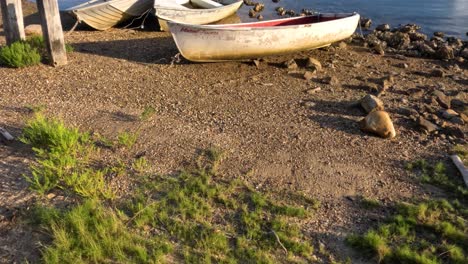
(19, 54)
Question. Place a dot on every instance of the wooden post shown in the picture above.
(52, 30)
(13, 24)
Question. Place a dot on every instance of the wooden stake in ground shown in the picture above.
(52, 30)
(13, 23)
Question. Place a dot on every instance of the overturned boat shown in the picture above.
(197, 12)
(210, 43)
(104, 14)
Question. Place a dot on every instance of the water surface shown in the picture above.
(449, 16)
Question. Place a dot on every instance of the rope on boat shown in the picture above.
(73, 28)
(145, 14)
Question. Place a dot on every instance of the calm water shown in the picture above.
(449, 16)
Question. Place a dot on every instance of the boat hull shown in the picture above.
(102, 15)
(194, 16)
(211, 43)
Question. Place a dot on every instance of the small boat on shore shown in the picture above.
(104, 14)
(197, 12)
(211, 43)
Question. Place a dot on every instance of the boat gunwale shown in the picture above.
(245, 27)
(162, 7)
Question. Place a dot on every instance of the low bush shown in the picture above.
(19, 54)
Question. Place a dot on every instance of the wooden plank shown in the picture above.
(13, 23)
(52, 30)
(461, 167)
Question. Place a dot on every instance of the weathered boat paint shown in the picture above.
(104, 14)
(174, 10)
(211, 43)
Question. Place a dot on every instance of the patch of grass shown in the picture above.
(369, 203)
(147, 113)
(219, 222)
(92, 233)
(436, 174)
(36, 108)
(52, 135)
(140, 164)
(62, 159)
(127, 139)
(435, 231)
(19, 54)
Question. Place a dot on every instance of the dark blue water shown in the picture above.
(449, 16)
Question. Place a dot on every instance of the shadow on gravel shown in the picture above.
(153, 50)
(337, 123)
(337, 107)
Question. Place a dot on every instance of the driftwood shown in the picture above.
(5, 134)
(461, 167)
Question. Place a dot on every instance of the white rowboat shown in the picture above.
(104, 14)
(210, 43)
(197, 12)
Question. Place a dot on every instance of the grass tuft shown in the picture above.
(126, 139)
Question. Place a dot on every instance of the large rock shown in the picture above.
(464, 53)
(445, 53)
(379, 123)
(371, 103)
(400, 41)
(33, 29)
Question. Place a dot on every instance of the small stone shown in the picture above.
(51, 195)
(343, 45)
(252, 13)
(256, 63)
(365, 22)
(314, 90)
(427, 125)
(402, 65)
(332, 80)
(438, 73)
(371, 103)
(260, 17)
(33, 29)
(457, 120)
(439, 34)
(379, 49)
(442, 99)
(313, 63)
(249, 3)
(449, 114)
(258, 7)
(379, 123)
(383, 27)
(290, 64)
(309, 104)
(308, 75)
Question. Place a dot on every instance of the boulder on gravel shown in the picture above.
(371, 103)
(379, 123)
(33, 29)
